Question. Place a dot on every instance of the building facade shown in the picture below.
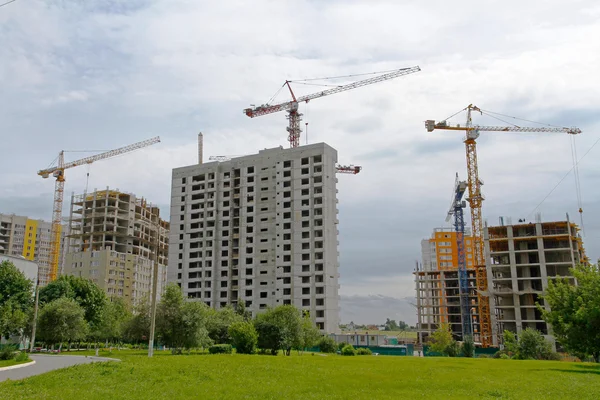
(114, 240)
(437, 285)
(259, 229)
(521, 260)
(29, 238)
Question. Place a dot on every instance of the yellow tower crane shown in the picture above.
(58, 172)
(476, 199)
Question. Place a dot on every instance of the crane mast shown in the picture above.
(475, 200)
(59, 187)
(294, 117)
(456, 210)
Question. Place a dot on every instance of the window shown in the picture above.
(318, 179)
(305, 161)
(306, 279)
(305, 302)
(250, 170)
(306, 213)
(317, 159)
(287, 164)
(306, 290)
(263, 295)
(304, 171)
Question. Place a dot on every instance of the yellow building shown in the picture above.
(29, 238)
(437, 284)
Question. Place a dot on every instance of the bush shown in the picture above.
(244, 337)
(363, 351)
(21, 356)
(220, 349)
(468, 347)
(340, 346)
(453, 349)
(348, 350)
(7, 353)
(327, 345)
(504, 356)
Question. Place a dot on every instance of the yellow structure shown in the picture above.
(437, 284)
(29, 244)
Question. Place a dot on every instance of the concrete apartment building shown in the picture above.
(29, 238)
(437, 284)
(113, 237)
(521, 260)
(259, 229)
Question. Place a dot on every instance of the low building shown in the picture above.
(27, 267)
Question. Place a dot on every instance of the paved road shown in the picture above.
(45, 363)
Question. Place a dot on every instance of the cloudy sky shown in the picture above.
(95, 75)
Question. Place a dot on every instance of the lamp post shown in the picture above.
(154, 258)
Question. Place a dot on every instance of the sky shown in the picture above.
(88, 76)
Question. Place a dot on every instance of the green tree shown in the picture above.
(269, 334)
(326, 344)
(390, 325)
(16, 300)
(85, 292)
(575, 311)
(241, 310)
(533, 346)
(137, 327)
(62, 320)
(287, 318)
(310, 334)
(441, 340)
(180, 324)
(468, 347)
(511, 345)
(218, 322)
(243, 336)
(113, 320)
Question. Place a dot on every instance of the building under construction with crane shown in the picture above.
(485, 325)
(114, 239)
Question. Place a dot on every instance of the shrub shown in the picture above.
(244, 337)
(363, 351)
(340, 346)
(348, 350)
(21, 356)
(7, 353)
(468, 347)
(220, 349)
(453, 349)
(327, 345)
(504, 356)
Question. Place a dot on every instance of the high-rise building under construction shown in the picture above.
(259, 229)
(520, 261)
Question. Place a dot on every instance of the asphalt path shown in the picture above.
(47, 363)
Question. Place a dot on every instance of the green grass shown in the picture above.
(309, 377)
(8, 363)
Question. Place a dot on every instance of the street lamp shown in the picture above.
(154, 258)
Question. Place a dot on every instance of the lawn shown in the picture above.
(309, 377)
(8, 363)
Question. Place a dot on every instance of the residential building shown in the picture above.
(114, 240)
(259, 229)
(522, 259)
(437, 284)
(29, 238)
(27, 267)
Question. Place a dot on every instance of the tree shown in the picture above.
(243, 336)
(137, 327)
(287, 318)
(113, 320)
(511, 345)
(533, 346)
(390, 325)
(218, 322)
(16, 300)
(310, 334)
(180, 324)
(575, 311)
(327, 344)
(269, 334)
(442, 341)
(62, 320)
(241, 310)
(468, 347)
(85, 292)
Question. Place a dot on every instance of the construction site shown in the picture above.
(262, 229)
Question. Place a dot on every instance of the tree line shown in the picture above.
(73, 310)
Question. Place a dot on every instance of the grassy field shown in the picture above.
(309, 377)
(8, 363)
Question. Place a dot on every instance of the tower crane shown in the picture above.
(294, 117)
(476, 198)
(58, 172)
(456, 210)
(340, 169)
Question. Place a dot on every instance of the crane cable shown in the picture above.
(563, 178)
(577, 182)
